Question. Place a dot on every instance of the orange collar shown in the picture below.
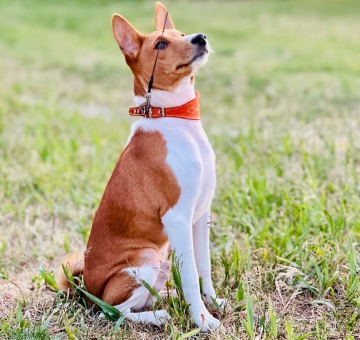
(190, 110)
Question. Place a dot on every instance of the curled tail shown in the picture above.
(75, 263)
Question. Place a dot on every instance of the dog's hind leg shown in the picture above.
(132, 295)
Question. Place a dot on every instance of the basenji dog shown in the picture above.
(158, 197)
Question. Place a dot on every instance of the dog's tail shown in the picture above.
(75, 264)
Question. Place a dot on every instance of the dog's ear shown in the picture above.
(160, 14)
(128, 38)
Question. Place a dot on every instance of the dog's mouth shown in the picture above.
(197, 56)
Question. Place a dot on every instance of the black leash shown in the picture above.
(145, 107)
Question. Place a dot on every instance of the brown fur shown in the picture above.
(160, 15)
(127, 229)
(140, 53)
(171, 65)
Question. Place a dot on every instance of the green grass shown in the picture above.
(280, 103)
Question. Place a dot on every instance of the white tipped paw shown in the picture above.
(161, 317)
(209, 322)
(158, 317)
(223, 304)
(205, 320)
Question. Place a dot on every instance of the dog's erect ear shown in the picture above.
(160, 14)
(128, 38)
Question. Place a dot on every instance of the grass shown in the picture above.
(280, 103)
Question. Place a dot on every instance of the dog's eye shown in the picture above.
(161, 45)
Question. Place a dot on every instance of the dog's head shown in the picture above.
(180, 55)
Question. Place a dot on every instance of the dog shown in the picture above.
(159, 195)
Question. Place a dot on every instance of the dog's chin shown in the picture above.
(199, 60)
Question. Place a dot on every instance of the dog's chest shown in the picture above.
(190, 156)
(206, 175)
(206, 157)
(192, 160)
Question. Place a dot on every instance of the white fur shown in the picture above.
(159, 98)
(198, 63)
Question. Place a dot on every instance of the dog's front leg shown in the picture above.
(202, 258)
(179, 231)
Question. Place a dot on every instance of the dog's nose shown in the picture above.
(199, 39)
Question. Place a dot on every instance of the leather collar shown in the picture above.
(190, 110)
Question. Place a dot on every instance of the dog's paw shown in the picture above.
(157, 318)
(208, 322)
(160, 317)
(222, 304)
(205, 320)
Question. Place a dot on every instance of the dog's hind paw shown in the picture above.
(158, 317)
(223, 304)
(161, 317)
(220, 304)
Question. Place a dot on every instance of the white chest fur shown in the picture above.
(190, 157)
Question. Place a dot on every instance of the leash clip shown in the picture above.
(145, 107)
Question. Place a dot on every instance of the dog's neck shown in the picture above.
(161, 98)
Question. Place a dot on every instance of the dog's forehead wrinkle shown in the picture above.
(174, 33)
(167, 34)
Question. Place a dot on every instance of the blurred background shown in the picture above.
(280, 102)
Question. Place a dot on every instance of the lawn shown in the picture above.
(280, 101)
